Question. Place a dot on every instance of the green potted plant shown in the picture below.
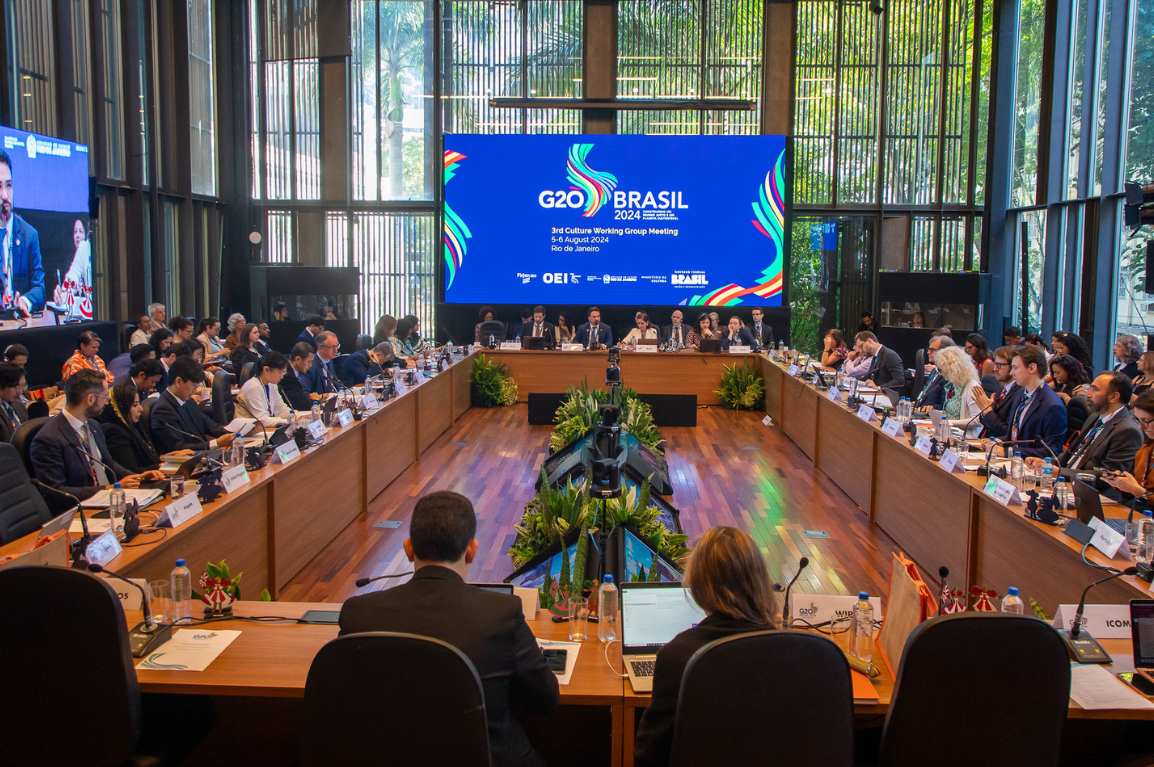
(492, 384)
(742, 387)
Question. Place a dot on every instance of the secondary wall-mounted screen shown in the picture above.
(606, 219)
(46, 263)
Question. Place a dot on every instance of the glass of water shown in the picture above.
(578, 619)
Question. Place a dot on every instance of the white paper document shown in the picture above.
(1094, 688)
(189, 650)
(241, 426)
(571, 649)
(95, 526)
(103, 499)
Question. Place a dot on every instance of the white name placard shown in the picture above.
(286, 452)
(181, 510)
(866, 413)
(819, 608)
(924, 445)
(951, 463)
(1108, 540)
(1002, 491)
(104, 549)
(234, 478)
(1102, 621)
(646, 349)
(572, 348)
(793, 370)
(892, 426)
(130, 598)
(510, 346)
(833, 395)
(344, 417)
(369, 402)
(317, 429)
(739, 350)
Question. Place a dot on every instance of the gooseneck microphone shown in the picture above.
(89, 457)
(786, 612)
(1082, 647)
(362, 582)
(145, 635)
(85, 537)
(943, 573)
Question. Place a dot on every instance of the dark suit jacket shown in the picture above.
(6, 430)
(1130, 370)
(1077, 411)
(241, 356)
(307, 338)
(934, 393)
(997, 419)
(294, 392)
(59, 461)
(1045, 420)
(654, 740)
(744, 338)
(488, 628)
(585, 334)
(667, 333)
(318, 375)
(168, 415)
(27, 268)
(1114, 448)
(766, 335)
(132, 451)
(357, 368)
(119, 365)
(887, 371)
(547, 332)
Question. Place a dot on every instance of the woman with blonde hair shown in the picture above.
(961, 407)
(729, 581)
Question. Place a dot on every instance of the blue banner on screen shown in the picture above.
(46, 258)
(688, 220)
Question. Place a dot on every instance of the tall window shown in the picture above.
(112, 89)
(202, 97)
(32, 65)
(668, 49)
(1028, 100)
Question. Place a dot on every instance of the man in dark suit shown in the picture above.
(887, 371)
(1040, 414)
(365, 363)
(322, 375)
(69, 453)
(21, 270)
(762, 333)
(178, 422)
(933, 393)
(296, 382)
(144, 375)
(594, 335)
(996, 411)
(309, 335)
(675, 332)
(537, 327)
(12, 411)
(1110, 437)
(488, 628)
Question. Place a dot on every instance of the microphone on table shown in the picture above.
(943, 573)
(1082, 647)
(362, 582)
(985, 470)
(85, 537)
(786, 613)
(147, 633)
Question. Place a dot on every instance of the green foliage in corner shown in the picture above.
(742, 388)
(492, 384)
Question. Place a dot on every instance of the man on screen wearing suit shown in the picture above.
(69, 453)
(675, 332)
(887, 371)
(594, 335)
(762, 333)
(489, 628)
(21, 270)
(178, 422)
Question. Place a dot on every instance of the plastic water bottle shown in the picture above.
(1047, 479)
(862, 637)
(1012, 603)
(237, 452)
(316, 413)
(421, 361)
(1062, 498)
(608, 611)
(181, 581)
(492, 342)
(116, 507)
(1146, 537)
(1017, 470)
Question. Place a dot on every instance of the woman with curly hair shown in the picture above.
(1071, 380)
(959, 404)
(1074, 346)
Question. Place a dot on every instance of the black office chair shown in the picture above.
(223, 408)
(766, 697)
(38, 408)
(22, 508)
(493, 328)
(364, 342)
(126, 336)
(82, 640)
(22, 441)
(1011, 668)
(919, 373)
(146, 406)
(433, 690)
(246, 372)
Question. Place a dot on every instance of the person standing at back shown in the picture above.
(488, 628)
(729, 581)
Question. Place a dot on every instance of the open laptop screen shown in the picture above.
(653, 613)
(1142, 629)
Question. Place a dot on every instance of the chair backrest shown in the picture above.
(494, 328)
(339, 364)
(22, 508)
(146, 406)
(223, 407)
(766, 697)
(919, 372)
(81, 639)
(38, 408)
(364, 342)
(126, 336)
(420, 696)
(246, 372)
(1025, 680)
(22, 441)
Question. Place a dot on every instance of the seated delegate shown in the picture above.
(996, 410)
(644, 330)
(70, 454)
(129, 443)
(762, 333)
(1040, 416)
(1138, 481)
(12, 410)
(959, 398)
(488, 628)
(260, 396)
(728, 579)
(366, 363)
(703, 331)
(931, 395)
(593, 334)
(675, 332)
(736, 334)
(887, 371)
(537, 327)
(178, 422)
(297, 383)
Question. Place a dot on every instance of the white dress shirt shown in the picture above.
(264, 403)
(636, 335)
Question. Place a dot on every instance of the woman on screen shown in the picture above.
(73, 292)
(644, 329)
(704, 330)
(565, 329)
(728, 579)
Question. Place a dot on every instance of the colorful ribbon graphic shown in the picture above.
(596, 185)
(456, 232)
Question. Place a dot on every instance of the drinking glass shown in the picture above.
(160, 600)
(578, 619)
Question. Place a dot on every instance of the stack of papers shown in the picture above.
(103, 499)
(1094, 688)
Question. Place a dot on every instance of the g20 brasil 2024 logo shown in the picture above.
(591, 188)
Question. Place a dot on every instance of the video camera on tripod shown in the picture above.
(607, 453)
(613, 372)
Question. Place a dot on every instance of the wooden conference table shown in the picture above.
(938, 518)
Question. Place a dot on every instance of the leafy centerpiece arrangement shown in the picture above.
(742, 387)
(579, 413)
(492, 384)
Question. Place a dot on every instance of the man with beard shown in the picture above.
(21, 270)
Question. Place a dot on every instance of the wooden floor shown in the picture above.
(729, 470)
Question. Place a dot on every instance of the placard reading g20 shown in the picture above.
(605, 219)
